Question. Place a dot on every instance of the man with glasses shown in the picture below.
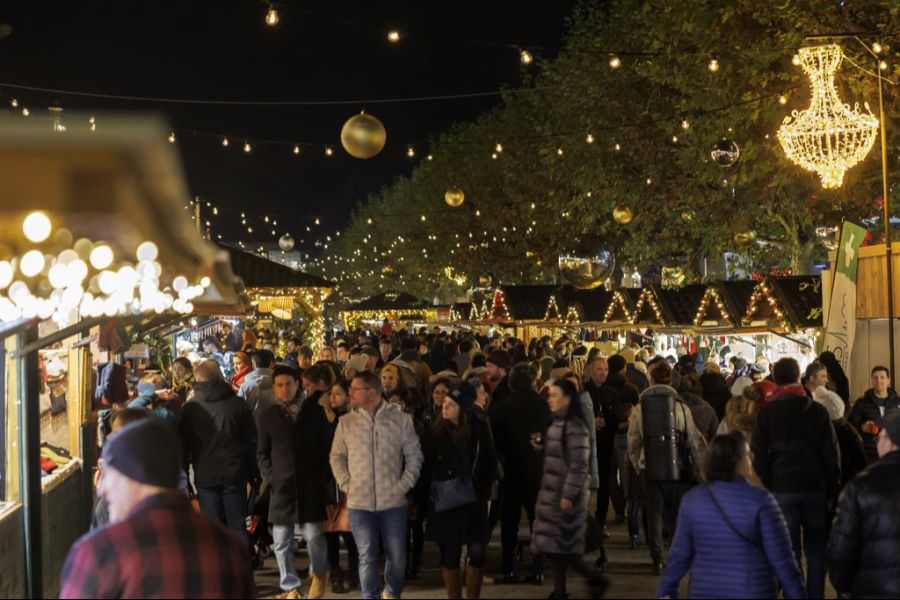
(376, 459)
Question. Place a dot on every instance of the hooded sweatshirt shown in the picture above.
(257, 390)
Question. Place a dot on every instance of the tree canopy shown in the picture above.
(551, 163)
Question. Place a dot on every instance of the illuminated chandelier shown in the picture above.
(829, 137)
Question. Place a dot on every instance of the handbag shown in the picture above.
(453, 493)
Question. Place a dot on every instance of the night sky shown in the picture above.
(321, 50)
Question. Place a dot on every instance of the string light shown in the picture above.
(795, 60)
(685, 124)
(617, 147)
(329, 151)
(782, 99)
(247, 147)
(172, 137)
(552, 307)
(526, 57)
(92, 122)
(711, 295)
(296, 149)
(615, 62)
(876, 48)
(713, 65)
(225, 141)
(647, 297)
(26, 112)
(589, 139)
(829, 137)
(618, 301)
(272, 16)
(764, 291)
(393, 36)
(14, 103)
(410, 151)
(883, 65)
(559, 151)
(498, 148)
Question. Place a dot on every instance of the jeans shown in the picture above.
(391, 525)
(661, 501)
(807, 511)
(283, 547)
(227, 504)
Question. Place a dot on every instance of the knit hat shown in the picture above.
(831, 401)
(464, 395)
(391, 368)
(892, 426)
(759, 367)
(737, 388)
(500, 358)
(146, 451)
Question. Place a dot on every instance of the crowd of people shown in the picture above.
(754, 477)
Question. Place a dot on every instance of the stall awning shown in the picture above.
(259, 272)
(801, 297)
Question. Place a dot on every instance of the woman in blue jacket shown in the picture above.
(731, 535)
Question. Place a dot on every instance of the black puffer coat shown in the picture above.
(864, 549)
(566, 475)
(864, 410)
(704, 415)
(716, 392)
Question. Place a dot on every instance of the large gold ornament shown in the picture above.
(829, 137)
(363, 136)
(623, 214)
(454, 197)
(672, 277)
(745, 237)
(587, 266)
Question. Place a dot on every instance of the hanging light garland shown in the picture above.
(554, 308)
(647, 297)
(711, 295)
(829, 137)
(763, 290)
(618, 301)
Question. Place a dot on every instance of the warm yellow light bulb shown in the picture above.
(685, 124)
(526, 57)
(410, 151)
(37, 227)
(225, 142)
(876, 48)
(883, 65)
(782, 99)
(615, 62)
(272, 17)
(247, 147)
(393, 36)
(25, 112)
(713, 65)
(172, 137)
(32, 263)
(795, 60)
(328, 151)
(296, 149)
(14, 103)
(589, 139)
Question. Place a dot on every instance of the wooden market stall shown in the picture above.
(391, 305)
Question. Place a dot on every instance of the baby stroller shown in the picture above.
(258, 526)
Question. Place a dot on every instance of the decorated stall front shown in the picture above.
(395, 307)
(94, 237)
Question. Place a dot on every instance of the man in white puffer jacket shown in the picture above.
(376, 459)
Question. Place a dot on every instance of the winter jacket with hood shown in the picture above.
(218, 436)
(866, 409)
(257, 390)
(376, 459)
(794, 445)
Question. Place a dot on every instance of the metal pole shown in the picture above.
(197, 214)
(29, 464)
(887, 223)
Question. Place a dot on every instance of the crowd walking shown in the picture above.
(392, 440)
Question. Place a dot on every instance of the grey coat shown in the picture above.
(555, 531)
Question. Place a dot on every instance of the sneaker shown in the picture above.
(294, 593)
(387, 595)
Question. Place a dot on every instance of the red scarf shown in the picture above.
(793, 388)
(238, 378)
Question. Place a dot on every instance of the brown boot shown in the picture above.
(474, 579)
(452, 582)
(318, 585)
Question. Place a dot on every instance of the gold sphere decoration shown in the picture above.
(454, 197)
(687, 215)
(744, 238)
(623, 214)
(363, 136)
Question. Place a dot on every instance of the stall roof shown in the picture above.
(736, 295)
(526, 302)
(393, 301)
(259, 272)
(681, 303)
(592, 304)
(801, 297)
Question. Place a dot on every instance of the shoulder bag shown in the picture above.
(459, 491)
(728, 521)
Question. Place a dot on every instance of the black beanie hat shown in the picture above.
(464, 395)
(500, 358)
(146, 451)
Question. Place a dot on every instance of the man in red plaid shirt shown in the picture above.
(156, 545)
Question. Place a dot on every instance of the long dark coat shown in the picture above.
(293, 458)
(445, 459)
(566, 475)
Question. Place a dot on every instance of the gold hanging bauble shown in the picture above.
(363, 136)
(623, 214)
(454, 197)
(744, 238)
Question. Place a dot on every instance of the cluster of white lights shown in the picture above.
(76, 294)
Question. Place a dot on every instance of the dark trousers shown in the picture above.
(661, 501)
(333, 541)
(227, 504)
(515, 498)
(605, 470)
(806, 515)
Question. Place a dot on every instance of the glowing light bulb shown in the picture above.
(25, 112)
(6, 274)
(272, 17)
(32, 263)
(713, 65)
(526, 57)
(410, 151)
(37, 227)
(617, 147)
(101, 257)
(296, 149)
(674, 139)
(559, 151)
(147, 252)
(225, 142)
(329, 151)
(393, 36)
(876, 48)
(615, 62)
(14, 103)
(795, 60)
(685, 124)
(782, 99)
(247, 147)
(429, 157)
(883, 65)
(589, 139)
